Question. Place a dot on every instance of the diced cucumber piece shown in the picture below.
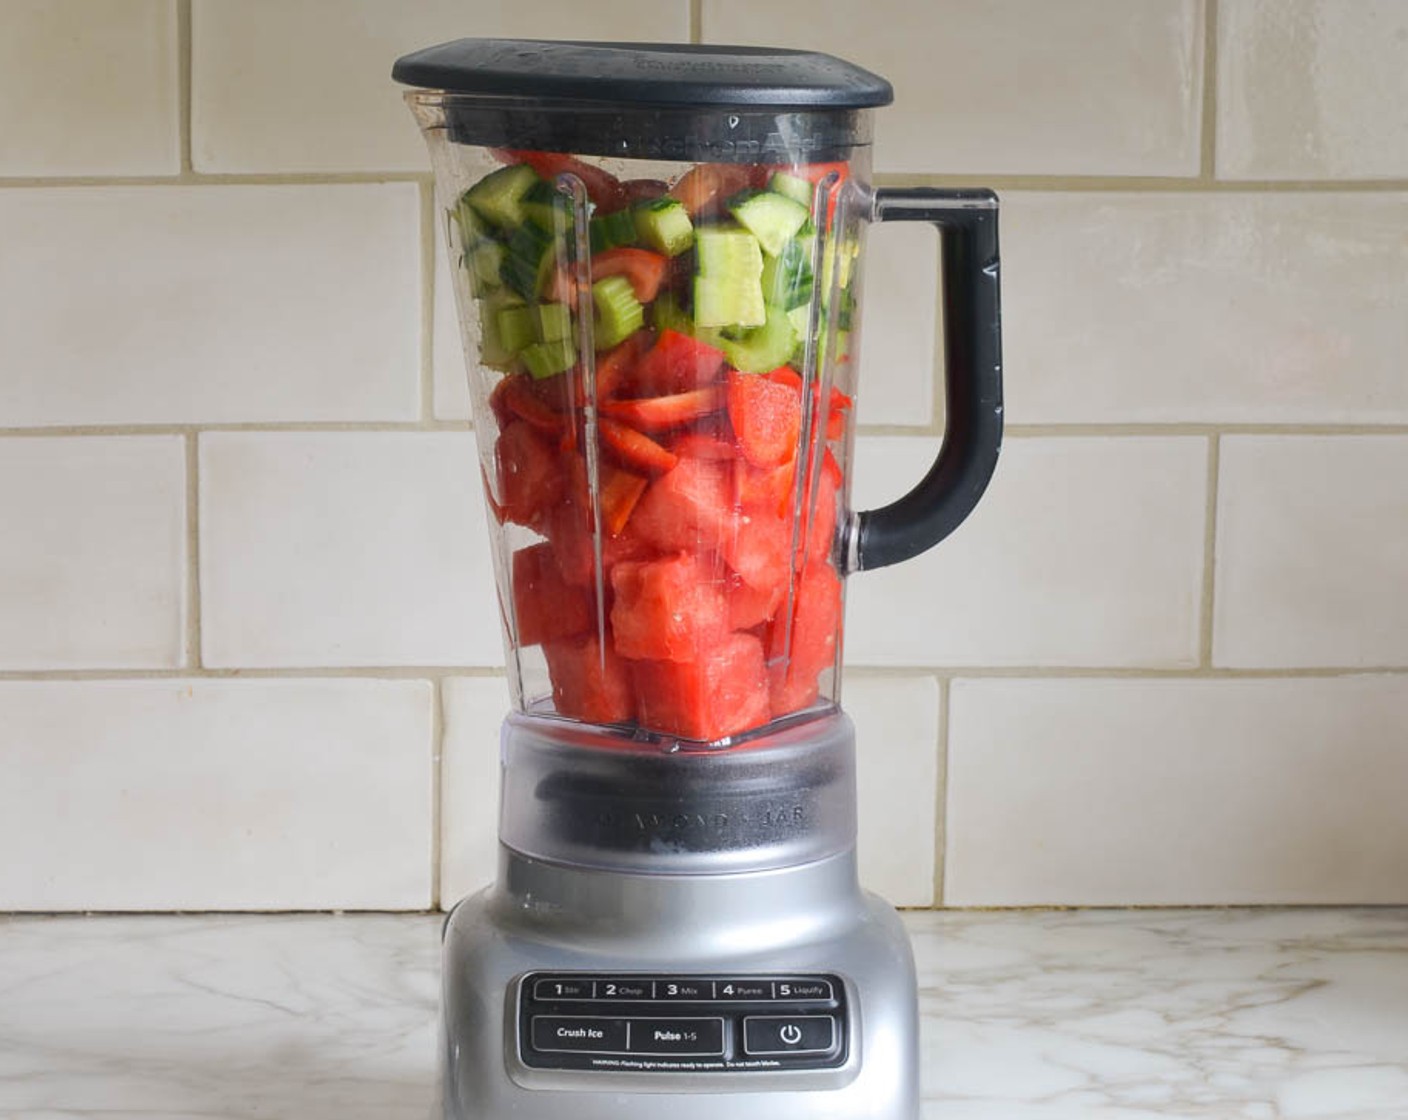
(799, 190)
(618, 314)
(515, 328)
(498, 197)
(772, 218)
(764, 348)
(552, 322)
(787, 278)
(663, 224)
(610, 231)
(725, 303)
(544, 359)
(547, 207)
(845, 312)
(727, 251)
(728, 290)
(471, 226)
(529, 260)
(839, 257)
(485, 260)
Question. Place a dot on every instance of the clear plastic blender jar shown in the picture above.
(657, 257)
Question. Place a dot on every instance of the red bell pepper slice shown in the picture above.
(635, 449)
(654, 414)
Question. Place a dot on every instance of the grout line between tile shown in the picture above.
(194, 658)
(191, 178)
(1205, 632)
(941, 794)
(183, 83)
(977, 672)
(1207, 171)
(251, 426)
(427, 302)
(696, 21)
(437, 763)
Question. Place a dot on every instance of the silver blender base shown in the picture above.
(658, 908)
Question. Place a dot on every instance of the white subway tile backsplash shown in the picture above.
(1084, 552)
(474, 709)
(1312, 89)
(1130, 792)
(345, 549)
(88, 87)
(305, 85)
(92, 552)
(1085, 87)
(221, 795)
(897, 760)
(899, 306)
(1312, 552)
(1181, 307)
(446, 347)
(209, 304)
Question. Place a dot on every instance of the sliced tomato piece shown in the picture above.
(634, 449)
(615, 367)
(641, 190)
(643, 269)
(677, 363)
(703, 188)
(603, 188)
(766, 417)
(517, 396)
(654, 414)
(620, 491)
(701, 445)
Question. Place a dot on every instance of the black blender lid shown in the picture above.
(665, 74)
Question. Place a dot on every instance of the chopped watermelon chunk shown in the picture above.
(723, 693)
(669, 610)
(701, 445)
(589, 683)
(545, 605)
(530, 474)
(751, 606)
(758, 549)
(816, 625)
(766, 416)
(676, 364)
(689, 508)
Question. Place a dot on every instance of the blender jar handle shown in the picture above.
(967, 223)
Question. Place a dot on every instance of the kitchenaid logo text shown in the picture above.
(680, 64)
(773, 147)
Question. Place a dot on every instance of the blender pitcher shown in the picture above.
(656, 254)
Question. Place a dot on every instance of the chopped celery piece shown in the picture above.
(618, 313)
(544, 359)
(515, 328)
(611, 231)
(552, 322)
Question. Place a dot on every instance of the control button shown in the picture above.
(684, 989)
(564, 1034)
(623, 989)
(562, 988)
(792, 1034)
(808, 990)
(677, 1036)
(744, 989)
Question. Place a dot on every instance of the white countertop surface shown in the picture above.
(1028, 1015)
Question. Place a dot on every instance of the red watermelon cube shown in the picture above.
(816, 627)
(670, 610)
(688, 508)
(589, 683)
(723, 693)
(545, 605)
(530, 474)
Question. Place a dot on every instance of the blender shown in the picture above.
(656, 253)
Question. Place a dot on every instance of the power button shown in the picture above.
(789, 1034)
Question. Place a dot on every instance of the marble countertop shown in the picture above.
(1028, 1015)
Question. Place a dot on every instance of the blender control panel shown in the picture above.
(686, 1023)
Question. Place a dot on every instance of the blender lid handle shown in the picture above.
(967, 224)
